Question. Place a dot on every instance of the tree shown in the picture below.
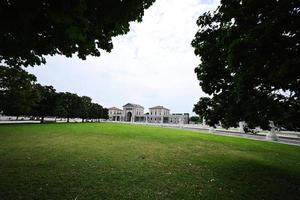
(84, 107)
(202, 107)
(21, 95)
(60, 108)
(31, 30)
(96, 111)
(105, 113)
(70, 105)
(195, 119)
(47, 103)
(17, 93)
(250, 57)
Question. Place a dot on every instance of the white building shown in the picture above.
(133, 112)
(116, 114)
(157, 114)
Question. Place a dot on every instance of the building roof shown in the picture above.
(115, 108)
(159, 107)
(133, 105)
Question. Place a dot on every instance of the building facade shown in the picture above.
(115, 114)
(133, 112)
(157, 114)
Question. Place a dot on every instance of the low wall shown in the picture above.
(200, 127)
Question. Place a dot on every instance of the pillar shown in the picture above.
(242, 124)
(203, 121)
(271, 135)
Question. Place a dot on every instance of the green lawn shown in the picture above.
(118, 161)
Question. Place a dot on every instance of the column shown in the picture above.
(203, 122)
(272, 133)
(241, 126)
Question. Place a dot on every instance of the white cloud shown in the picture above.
(152, 65)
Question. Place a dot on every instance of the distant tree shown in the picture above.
(60, 108)
(195, 119)
(84, 107)
(96, 111)
(92, 111)
(20, 95)
(250, 58)
(17, 92)
(70, 105)
(105, 113)
(31, 30)
(47, 103)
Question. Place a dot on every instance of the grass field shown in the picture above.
(118, 161)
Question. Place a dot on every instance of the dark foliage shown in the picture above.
(20, 95)
(17, 92)
(47, 102)
(250, 58)
(195, 119)
(30, 30)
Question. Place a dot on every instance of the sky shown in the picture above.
(151, 65)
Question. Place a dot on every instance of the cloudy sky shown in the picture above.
(151, 65)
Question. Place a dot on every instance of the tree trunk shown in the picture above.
(68, 120)
(82, 120)
(17, 118)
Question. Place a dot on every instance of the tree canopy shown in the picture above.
(20, 95)
(47, 102)
(17, 94)
(30, 30)
(249, 63)
(195, 119)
